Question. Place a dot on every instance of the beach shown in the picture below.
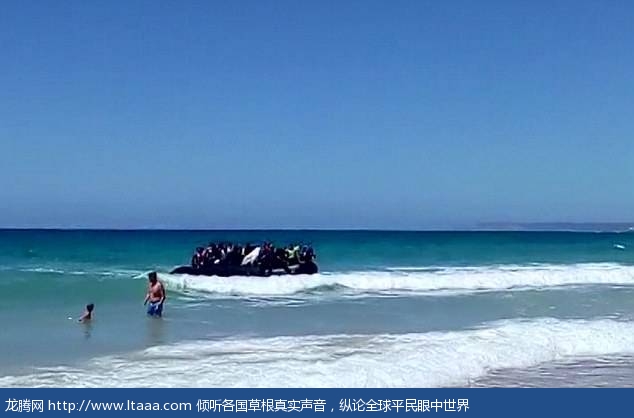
(387, 309)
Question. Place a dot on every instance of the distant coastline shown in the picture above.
(561, 226)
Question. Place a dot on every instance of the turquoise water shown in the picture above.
(401, 308)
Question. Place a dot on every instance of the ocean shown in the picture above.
(388, 309)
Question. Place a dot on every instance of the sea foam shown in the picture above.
(431, 359)
(410, 280)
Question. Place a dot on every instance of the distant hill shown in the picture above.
(560, 226)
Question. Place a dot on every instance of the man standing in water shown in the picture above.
(155, 295)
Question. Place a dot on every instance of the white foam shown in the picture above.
(75, 272)
(43, 270)
(411, 360)
(442, 280)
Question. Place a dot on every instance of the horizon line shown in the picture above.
(483, 227)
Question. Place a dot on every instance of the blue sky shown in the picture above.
(315, 114)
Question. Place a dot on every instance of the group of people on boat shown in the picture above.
(266, 255)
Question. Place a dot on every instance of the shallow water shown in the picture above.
(401, 309)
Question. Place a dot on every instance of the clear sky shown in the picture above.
(338, 114)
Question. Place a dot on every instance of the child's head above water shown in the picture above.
(88, 314)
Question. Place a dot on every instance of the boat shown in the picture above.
(228, 271)
(262, 261)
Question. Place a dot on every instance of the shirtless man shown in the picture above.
(155, 295)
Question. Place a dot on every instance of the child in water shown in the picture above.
(87, 315)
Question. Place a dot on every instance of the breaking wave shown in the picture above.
(411, 280)
(433, 359)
